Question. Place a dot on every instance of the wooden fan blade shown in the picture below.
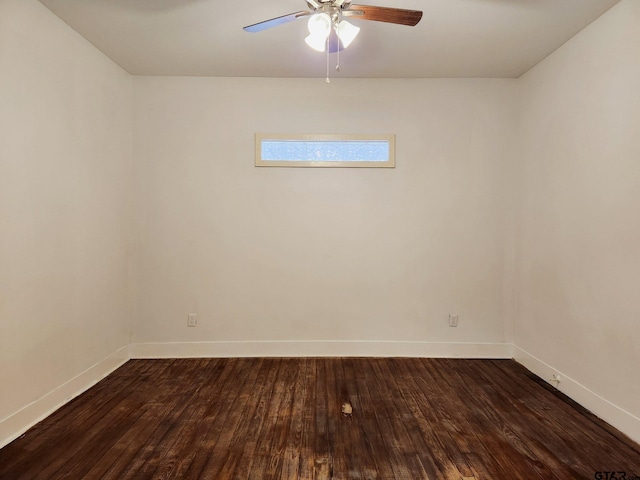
(274, 22)
(386, 14)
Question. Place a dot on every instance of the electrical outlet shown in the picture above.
(192, 320)
(453, 320)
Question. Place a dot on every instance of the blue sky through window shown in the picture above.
(325, 150)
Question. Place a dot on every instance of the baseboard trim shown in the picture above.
(619, 418)
(319, 349)
(19, 422)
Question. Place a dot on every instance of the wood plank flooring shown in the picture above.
(272, 418)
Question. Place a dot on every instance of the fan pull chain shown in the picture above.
(338, 57)
(328, 80)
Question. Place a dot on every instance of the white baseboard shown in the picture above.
(319, 349)
(19, 422)
(624, 421)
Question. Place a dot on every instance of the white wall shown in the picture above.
(65, 213)
(286, 255)
(578, 242)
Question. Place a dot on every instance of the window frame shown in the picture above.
(301, 137)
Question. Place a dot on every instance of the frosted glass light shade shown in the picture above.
(317, 42)
(319, 24)
(347, 32)
(319, 28)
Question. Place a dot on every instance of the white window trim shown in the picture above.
(390, 163)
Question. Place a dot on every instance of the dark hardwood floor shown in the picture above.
(270, 418)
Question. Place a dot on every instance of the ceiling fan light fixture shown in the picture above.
(317, 42)
(319, 28)
(347, 32)
(319, 24)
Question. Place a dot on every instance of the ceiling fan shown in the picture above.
(327, 27)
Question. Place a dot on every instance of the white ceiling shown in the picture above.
(456, 38)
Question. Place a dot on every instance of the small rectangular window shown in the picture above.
(293, 150)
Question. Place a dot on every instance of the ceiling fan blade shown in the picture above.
(385, 14)
(274, 22)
